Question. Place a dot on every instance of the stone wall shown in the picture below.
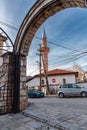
(8, 94)
(6, 83)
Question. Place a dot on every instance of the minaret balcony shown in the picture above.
(44, 49)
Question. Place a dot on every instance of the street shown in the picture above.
(69, 113)
(57, 105)
(48, 113)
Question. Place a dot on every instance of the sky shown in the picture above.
(66, 33)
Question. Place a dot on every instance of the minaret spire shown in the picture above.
(44, 39)
(44, 33)
(44, 52)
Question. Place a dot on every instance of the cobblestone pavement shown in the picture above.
(49, 113)
(66, 113)
(22, 122)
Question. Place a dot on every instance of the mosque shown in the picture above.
(50, 79)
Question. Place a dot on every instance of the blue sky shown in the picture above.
(68, 29)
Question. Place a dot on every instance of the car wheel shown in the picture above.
(61, 95)
(83, 94)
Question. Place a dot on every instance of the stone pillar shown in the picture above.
(20, 90)
(13, 91)
(7, 83)
(23, 89)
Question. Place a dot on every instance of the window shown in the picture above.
(64, 81)
(42, 81)
(64, 86)
(69, 85)
(75, 86)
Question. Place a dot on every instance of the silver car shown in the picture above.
(71, 90)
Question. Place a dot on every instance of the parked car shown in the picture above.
(35, 93)
(71, 90)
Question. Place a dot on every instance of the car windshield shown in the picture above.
(75, 86)
(65, 86)
(70, 86)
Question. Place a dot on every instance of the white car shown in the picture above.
(71, 90)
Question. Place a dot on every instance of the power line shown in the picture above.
(68, 60)
(67, 56)
(73, 56)
(53, 43)
(8, 25)
(33, 72)
(70, 57)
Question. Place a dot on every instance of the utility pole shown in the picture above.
(39, 54)
(40, 67)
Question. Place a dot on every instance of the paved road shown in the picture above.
(66, 105)
(68, 113)
(49, 113)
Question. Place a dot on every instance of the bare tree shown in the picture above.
(77, 68)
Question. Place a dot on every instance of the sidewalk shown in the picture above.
(22, 122)
(28, 120)
(64, 121)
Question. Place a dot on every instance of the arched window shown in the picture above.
(42, 82)
(64, 81)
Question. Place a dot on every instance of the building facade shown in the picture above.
(55, 78)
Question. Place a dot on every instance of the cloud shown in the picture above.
(13, 13)
(67, 28)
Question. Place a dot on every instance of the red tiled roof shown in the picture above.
(57, 72)
(60, 72)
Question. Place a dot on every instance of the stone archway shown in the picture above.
(40, 11)
(15, 100)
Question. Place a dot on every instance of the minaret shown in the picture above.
(44, 52)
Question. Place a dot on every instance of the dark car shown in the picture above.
(35, 93)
